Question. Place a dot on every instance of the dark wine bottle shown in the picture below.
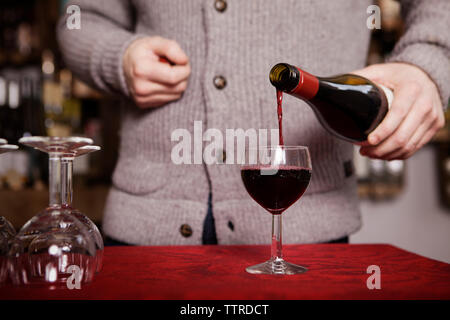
(348, 106)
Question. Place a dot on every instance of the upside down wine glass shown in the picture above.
(276, 177)
(5, 147)
(7, 231)
(53, 245)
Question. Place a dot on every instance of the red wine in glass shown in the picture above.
(275, 188)
(276, 177)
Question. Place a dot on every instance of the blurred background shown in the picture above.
(404, 203)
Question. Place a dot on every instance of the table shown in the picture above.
(336, 271)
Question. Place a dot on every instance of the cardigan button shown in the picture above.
(220, 5)
(220, 82)
(186, 230)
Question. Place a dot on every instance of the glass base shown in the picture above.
(4, 148)
(276, 266)
(59, 145)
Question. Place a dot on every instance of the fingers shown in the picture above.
(156, 100)
(425, 119)
(169, 49)
(152, 94)
(161, 72)
(150, 79)
(415, 116)
(151, 67)
(143, 88)
(373, 72)
(435, 127)
(412, 145)
(400, 139)
(401, 106)
(162, 85)
(171, 75)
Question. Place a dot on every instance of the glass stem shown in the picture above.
(54, 180)
(276, 237)
(66, 181)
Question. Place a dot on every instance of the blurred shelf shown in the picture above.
(442, 136)
(19, 206)
(81, 90)
(379, 191)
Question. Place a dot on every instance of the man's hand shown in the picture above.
(153, 83)
(415, 115)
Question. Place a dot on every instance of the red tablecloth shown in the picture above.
(218, 272)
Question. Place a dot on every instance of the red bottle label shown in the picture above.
(307, 86)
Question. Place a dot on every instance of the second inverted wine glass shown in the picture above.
(276, 177)
(53, 243)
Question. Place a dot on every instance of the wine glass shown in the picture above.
(7, 231)
(276, 177)
(4, 147)
(53, 243)
(66, 199)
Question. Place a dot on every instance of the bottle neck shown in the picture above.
(307, 87)
(295, 81)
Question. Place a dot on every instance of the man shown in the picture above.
(221, 53)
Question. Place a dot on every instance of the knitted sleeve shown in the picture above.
(94, 52)
(426, 41)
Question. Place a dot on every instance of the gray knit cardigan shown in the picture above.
(152, 197)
